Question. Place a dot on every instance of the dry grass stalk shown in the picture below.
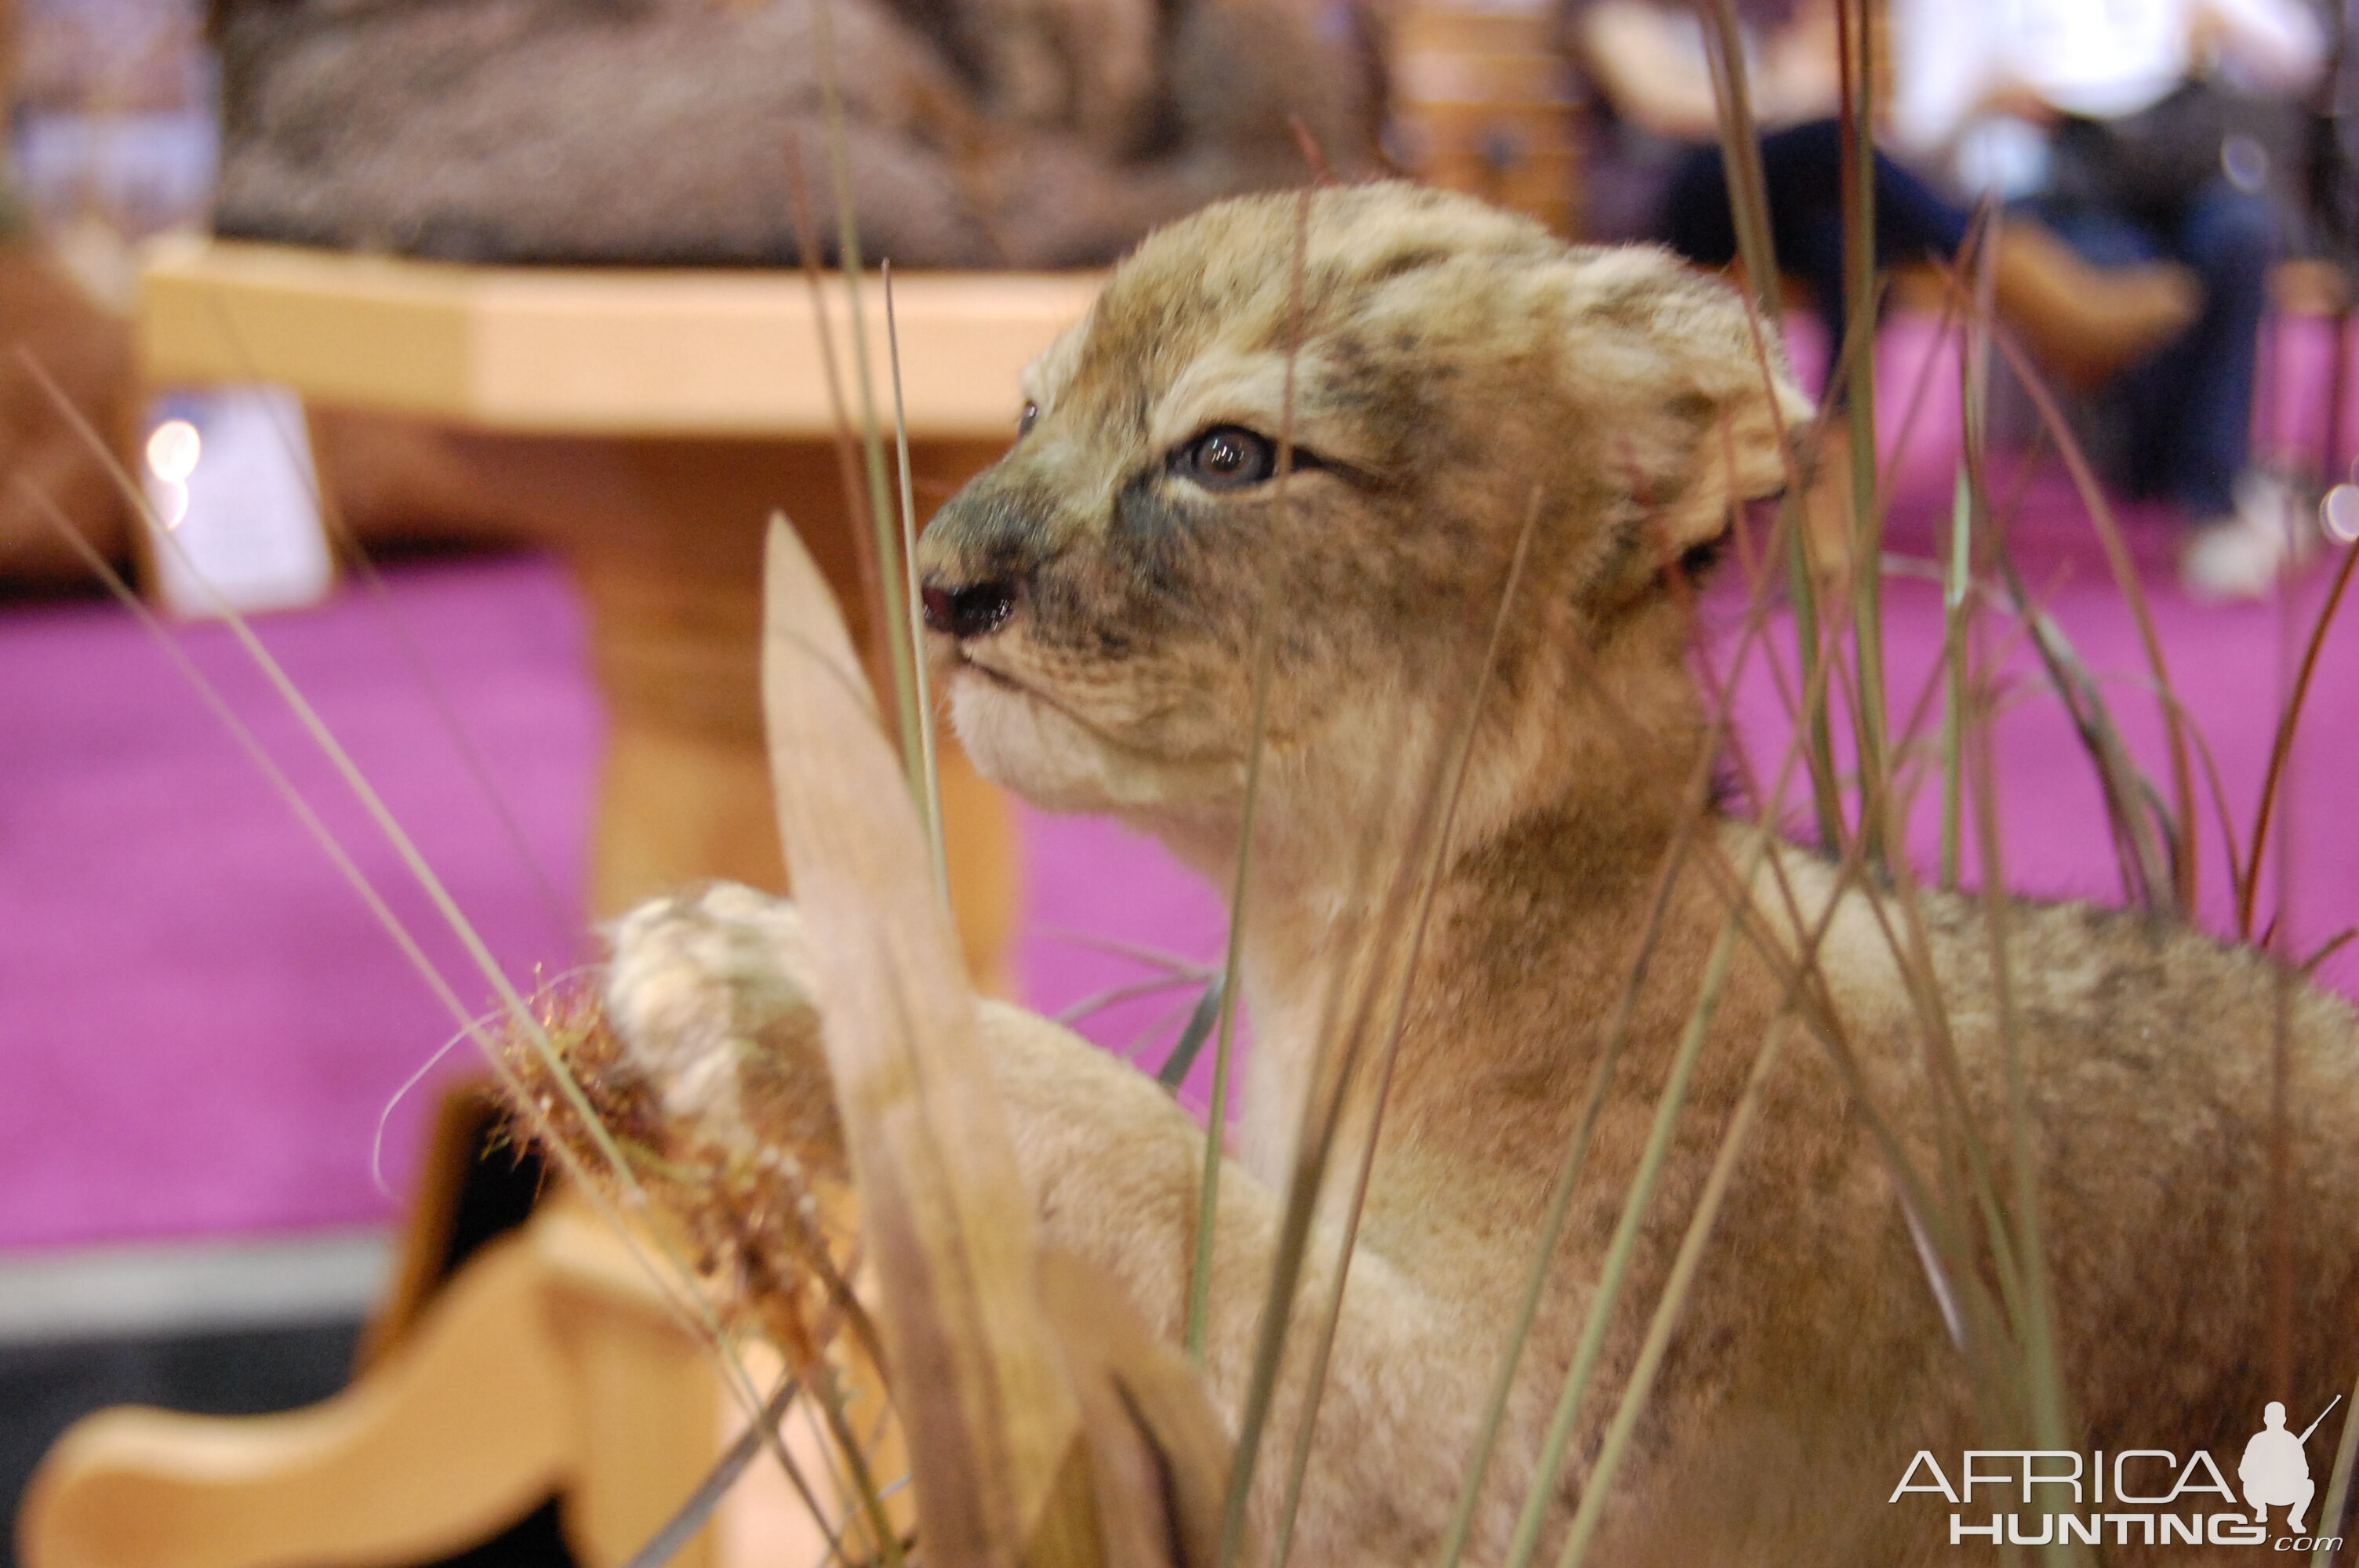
(2338, 1488)
(353, 556)
(210, 696)
(847, 443)
(1265, 655)
(768, 1228)
(1042, 1419)
(886, 592)
(2126, 576)
(2281, 748)
(929, 777)
(994, 1423)
(1854, 21)
(770, 1224)
(1429, 880)
(1748, 196)
(2002, 1338)
(2130, 806)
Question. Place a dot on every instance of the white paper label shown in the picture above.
(228, 472)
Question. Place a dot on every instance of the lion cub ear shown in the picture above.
(1717, 405)
(1747, 426)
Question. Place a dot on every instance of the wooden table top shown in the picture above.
(590, 351)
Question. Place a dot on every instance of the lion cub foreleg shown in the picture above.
(712, 991)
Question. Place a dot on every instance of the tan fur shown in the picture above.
(1457, 369)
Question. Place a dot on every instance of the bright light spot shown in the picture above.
(2339, 513)
(172, 450)
(2246, 162)
(174, 505)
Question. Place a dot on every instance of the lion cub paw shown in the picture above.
(713, 995)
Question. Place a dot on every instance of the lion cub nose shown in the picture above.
(976, 611)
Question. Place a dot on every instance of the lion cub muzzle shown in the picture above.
(975, 610)
(980, 555)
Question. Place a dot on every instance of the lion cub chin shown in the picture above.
(1460, 467)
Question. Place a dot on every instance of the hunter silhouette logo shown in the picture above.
(2275, 1471)
(2131, 1496)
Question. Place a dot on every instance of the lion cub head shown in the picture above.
(1454, 372)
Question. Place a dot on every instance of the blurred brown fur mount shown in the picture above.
(977, 133)
(86, 349)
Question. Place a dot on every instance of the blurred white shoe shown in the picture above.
(2242, 554)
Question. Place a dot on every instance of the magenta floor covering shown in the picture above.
(200, 1024)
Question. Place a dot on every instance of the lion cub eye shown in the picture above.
(1026, 420)
(1226, 456)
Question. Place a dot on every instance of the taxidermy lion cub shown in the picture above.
(1465, 386)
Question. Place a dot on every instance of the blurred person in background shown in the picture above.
(2140, 130)
(1655, 173)
(1650, 105)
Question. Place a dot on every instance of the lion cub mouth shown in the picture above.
(1000, 679)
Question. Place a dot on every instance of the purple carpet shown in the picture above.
(200, 1024)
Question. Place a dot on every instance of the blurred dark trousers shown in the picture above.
(2188, 410)
(1803, 170)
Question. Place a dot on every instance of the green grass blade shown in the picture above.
(1265, 655)
(2183, 884)
(1216, 1112)
(1560, 1209)
(672, 1538)
(1957, 587)
(1667, 1310)
(1624, 1246)
(2281, 746)
(872, 435)
(1209, 1006)
(2338, 1488)
(1388, 1055)
(1970, 505)
(929, 775)
(1748, 199)
(2050, 1427)
(1854, 23)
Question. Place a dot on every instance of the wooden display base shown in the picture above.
(548, 1365)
